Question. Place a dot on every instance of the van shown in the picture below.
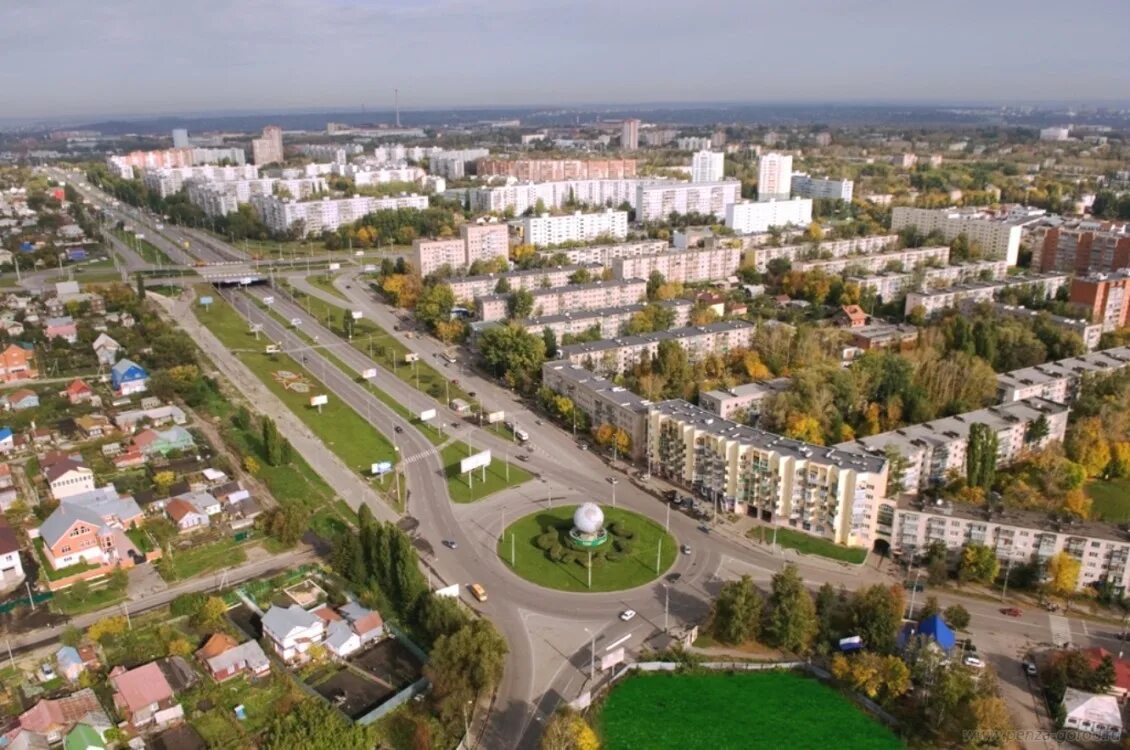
(478, 592)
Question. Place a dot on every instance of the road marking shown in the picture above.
(1084, 624)
(420, 456)
(1061, 629)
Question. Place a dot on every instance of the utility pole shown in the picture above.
(913, 594)
(1004, 589)
(512, 554)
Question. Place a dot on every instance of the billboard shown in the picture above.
(335, 266)
(296, 322)
(449, 591)
(369, 373)
(611, 659)
(357, 314)
(382, 467)
(273, 349)
(268, 300)
(495, 417)
(206, 301)
(411, 357)
(427, 414)
(321, 400)
(477, 461)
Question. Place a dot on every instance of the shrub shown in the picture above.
(613, 557)
(547, 541)
(186, 605)
(616, 529)
(623, 546)
(556, 553)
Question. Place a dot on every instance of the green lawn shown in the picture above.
(325, 283)
(209, 707)
(1111, 499)
(635, 566)
(181, 564)
(499, 475)
(735, 711)
(99, 597)
(809, 545)
(51, 573)
(143, 247)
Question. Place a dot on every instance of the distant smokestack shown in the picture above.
(396, 104)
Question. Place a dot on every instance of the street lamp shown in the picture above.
(913, 594)
(615, 482)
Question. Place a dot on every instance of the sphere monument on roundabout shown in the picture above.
(588, 530)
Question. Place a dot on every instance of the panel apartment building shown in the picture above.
(998, 233)
(911, 257)
(616, 356)
(1083, 247)
(936, 450)
(1059, 381)
(470, 287)
(605, 254)
(936, 300)
(804, 186)
(282, 215)
(475, 242)
(826, 492)
(891, 285)
(610, 321)
(655, 201)
(760, 256)
(576, 227)
(742, 401)
(549, 170)
(522, 197)
(574, 297)
(222, 198)
(601, 400)
(166, 181)
(1106, 296)
(684, 267)
(747, 217)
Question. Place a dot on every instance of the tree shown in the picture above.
(434, 305)
(163, 480)
(251, 465)
(314, 725)
(737, 611)
(978, 563)
(879, 677)
(1077, 503)
(790, 622)
(981, 456)
(275, 447)
(1087, 445)
(211, 613)
(520, 305)
(568, 730)
(71, 636)
(1037, 430)
(1063, 570)
(654, 282)
(877, 616)
(140, 286)
(286, 523)
(956, 616)
(513, 354)
(449, 331)
(106, 627)
(988, 717)
(464, 665)
(550, 339)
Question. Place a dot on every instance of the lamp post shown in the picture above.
(615, 482)
(913, 594)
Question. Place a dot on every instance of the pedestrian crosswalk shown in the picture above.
(420, 456)
(1061, 630)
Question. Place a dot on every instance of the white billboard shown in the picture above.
(369, 373)
(273, 349)
(611, 659)
(495, 417)
(357, 314)
(449, 591)
(381, 467)
(321, 400)
(268, 300)
(477, 461)
(335, 266)
(427, 414)
(411, 357)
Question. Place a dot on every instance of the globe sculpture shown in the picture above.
(588, 526)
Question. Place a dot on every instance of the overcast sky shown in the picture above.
(72, 57)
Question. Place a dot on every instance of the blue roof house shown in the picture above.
(127, 377)
(932, 628)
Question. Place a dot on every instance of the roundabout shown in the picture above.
(587, 548)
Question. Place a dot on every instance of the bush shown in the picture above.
(623, 546)
(187, 605)
(613, 557)
(620, 530)
(556, 553)
(956, 616)
(547, 541)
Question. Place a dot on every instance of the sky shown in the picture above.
(117, 57)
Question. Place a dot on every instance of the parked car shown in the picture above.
(450, 544)
(46, 673)
(674, 577)
(973, 661)
(686, 549)
(523, 457)
(398, 429)
(914, 586)
(627, 614)
(1030, 668)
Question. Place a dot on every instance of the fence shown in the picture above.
(23, 601)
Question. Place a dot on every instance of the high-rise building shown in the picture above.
(180, 138)
(1083, 246)
(749, 216)
(630, 135)
(997, 232)
(1106, 295)
(774, 177)
(707, 166)
(269, 148)
(804, 186)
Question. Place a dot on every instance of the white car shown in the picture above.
(627, 614)
(973, 661)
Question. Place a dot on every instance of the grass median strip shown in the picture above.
(808, 544)
(500, 474)
(143, 247)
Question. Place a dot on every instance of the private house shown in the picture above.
(7, 440)
(11, 567)
(127, 378)
(53, 718)
(144, 697)
(185, 515)
(151, 442)
(8, 492)
(84, 737)
(20, 399)
(22, 739)
(78, 392)
(341, 641)
(13, 328)
(90, 528)
(69, 663)
(63, 327)
(17, 363)
(204, 502)
(230, 493)
(224, 658)
(292, 630)
(128, 460)
(94, 425)
(127, 421)
(1087, 712)
(106, 350)
(851, 316)
(368, 624)
(66, 477)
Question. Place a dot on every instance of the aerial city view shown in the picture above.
(454, 375)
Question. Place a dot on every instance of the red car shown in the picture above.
(1011, 612)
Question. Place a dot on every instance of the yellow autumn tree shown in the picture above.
(754, 367)
(1077, 504)
(1087, 445)
(519, 253)
(568, 730)
(1063, 569)
(448, 331)
(804, 427)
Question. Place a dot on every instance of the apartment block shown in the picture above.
(605, 254)
(269, 148)
(935, 300)
(428, 256)
(570, 298)
(222, 198)
(774, 177)
(1083, 247)
(314, 217)
(707, 166)
(1106, 296)
(1059, 381)
(684, 267)
(891, 285)
(804, 186)
(469, 287)
(601, 400)
(124, 165)
(576, 227)
(1089, 332)
(759, 256)
(936, 450)
(909, 258)
(521, 197)
(1015, 535)
(826, 492)
(742, 402)
(655, 201)
(758, 216)
(997, 232)
(616, 356)
(485, 241)
(166, 181)
(610, 321)
(630, 135)
(550, 170)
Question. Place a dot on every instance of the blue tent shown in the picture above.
(934, 628)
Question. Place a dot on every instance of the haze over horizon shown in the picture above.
(74, 59)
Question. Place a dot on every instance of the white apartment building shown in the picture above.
(616, 356)
(269, 148)
(362, 176)
(935, 451)
(476, 242)
(520, 197)
(822, 187)
(707, 166)
(655, 201)
(684, 267)
(935, 300)
(469, 287)
(338, 153)
(166, 181)
(748, 217)
(774, 177)
(742, 401)
(428, 256)
(1059, 381)
(891, 285)
(998, 233)
(630, 135)
(123, 166)
(759, 256)
(692, 143)
(610, 321)
(1061, 133)
(314, 217)
(594, 296)
(222, 198)
(605, 254)
(576, 227)
(602, 400)
(826, 492)
(909, 258)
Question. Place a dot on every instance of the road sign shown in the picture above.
(477, 461)
(370, 373)
(495, 417)
(427, 414)
(357, 314)
(206, 301)
(320, 400)
(268, 300)
(382, 467)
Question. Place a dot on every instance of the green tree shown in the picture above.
(877, 616)
(464, 665)
(978, 563)
(654, 282)
(790, 621)
(520, 305)
(1037, 430)
(434, 305)
(981, 456)
(314, 725)
(513, 354)
(737, 611)
(550, 339)
(211, 613)
(956, 616)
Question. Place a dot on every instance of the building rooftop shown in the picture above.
(583, 378)
(776, 385)
(648, 338)
(600, 312)
(1027, 519)
(569, 288)
(1095, 362)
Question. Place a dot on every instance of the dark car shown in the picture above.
(450, 544)
(674, 577)
(398, 429)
